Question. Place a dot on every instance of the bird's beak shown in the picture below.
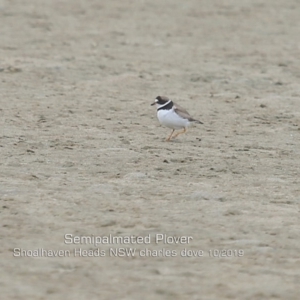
(153, 103)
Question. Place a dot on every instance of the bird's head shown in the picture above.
(160, 101)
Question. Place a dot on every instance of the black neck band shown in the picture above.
(167, 106)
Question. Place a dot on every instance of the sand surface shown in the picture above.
(82, 152)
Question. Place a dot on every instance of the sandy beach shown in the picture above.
(94, 204)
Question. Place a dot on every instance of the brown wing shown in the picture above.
(179, 108)
(183, 113)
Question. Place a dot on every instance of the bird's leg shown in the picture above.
(178, 133)
(168, 139)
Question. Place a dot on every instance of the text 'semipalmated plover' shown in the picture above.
(172, 115)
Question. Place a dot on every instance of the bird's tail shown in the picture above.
(197, 121)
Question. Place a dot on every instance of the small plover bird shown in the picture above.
(172, 115)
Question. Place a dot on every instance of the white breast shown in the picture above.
(170, 119)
